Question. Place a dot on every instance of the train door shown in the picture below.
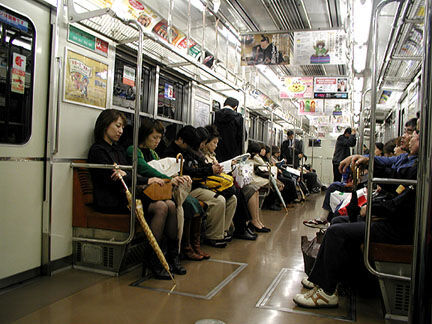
(24, 70)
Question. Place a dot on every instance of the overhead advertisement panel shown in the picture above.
(293, 87)
(319, 47)
(267, 49)
(330, 88)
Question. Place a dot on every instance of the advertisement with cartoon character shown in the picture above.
(301, 87)
(320, 47)
(85, 80)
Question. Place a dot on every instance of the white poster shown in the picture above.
(336, 107)
(201, 114)
(331, 88)
(18, 73)
(320, 47)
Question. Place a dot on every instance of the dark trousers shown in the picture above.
(310, 179)
(340, 250)
(242, 214)
(332, 188)
(337, 176)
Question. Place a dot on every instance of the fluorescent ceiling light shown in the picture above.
(197, 4)
(362, 20)
(360, 54)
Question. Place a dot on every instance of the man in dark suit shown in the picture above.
(342, 150)
(292, 147)
(230, 126)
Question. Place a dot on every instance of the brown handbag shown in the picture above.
(156, 192)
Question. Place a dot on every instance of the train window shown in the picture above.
(17, 35)
(124, 85)
(171, 96)
(216, 105)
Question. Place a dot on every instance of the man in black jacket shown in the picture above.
(230, 127)
(342, 150)
(292, 147)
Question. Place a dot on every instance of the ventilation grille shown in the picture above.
(402, 297)
(108, 257)
(78, 252)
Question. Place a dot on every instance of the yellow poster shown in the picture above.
(85, 80)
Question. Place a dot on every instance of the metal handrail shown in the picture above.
(394, 181)
(361, 128)
(140, 28)
(368, 217)
(418, 311)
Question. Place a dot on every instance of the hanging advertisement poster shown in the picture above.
(268, 49)
(85, 80)
(385, 95)
(320, 47)
(310, 107)
(169, 92)
(319, 121)
(336, 107)
(297, 87)
(18, 73)
(340, 121)
(330, 88)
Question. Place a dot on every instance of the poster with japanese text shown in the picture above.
(18, 73)
(297, 87)
(267, 49)
(319, 47)
(331, 88)
(310, 107)
(85, 80)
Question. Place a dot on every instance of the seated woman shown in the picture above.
(149, 137)
(254, 149)
(220, 211)
(247, 198)
(110, 197)
(289, 193)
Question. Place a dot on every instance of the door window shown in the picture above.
(17, 36)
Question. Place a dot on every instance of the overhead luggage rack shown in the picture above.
(403, 56)
(106, 22)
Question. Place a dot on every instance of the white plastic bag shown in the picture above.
(242, 173)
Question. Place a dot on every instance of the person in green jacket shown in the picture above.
(149, 136)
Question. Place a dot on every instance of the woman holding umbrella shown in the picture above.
(109, 196)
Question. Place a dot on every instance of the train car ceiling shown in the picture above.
(218, 66)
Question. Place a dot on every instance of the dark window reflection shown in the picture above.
(170, 97)
(17, 36)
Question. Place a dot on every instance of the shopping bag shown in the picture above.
(310, 250)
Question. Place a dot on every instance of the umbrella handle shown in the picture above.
(180, 156)
(116, 167)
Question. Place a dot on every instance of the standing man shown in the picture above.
(230, 126)
(292, 147)
(342, 150)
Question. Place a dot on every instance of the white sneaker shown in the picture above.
(316, 298)
(307, 284)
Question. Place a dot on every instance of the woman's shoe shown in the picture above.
(190, 254)
(259, 230)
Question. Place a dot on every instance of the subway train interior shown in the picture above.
(340, 87)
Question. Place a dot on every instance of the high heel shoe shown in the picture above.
(257, 229)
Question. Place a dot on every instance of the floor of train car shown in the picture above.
(248, 282)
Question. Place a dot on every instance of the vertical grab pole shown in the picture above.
(136, 122)
(420, 308)
(371, 151)
(361, 130)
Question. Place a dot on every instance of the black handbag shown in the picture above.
(310, 250)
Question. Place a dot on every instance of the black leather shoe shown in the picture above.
(251, 232)
(176, 267)
(246, 235)
(228, 238)
(259, 230)
(158, 272)
(216, 243)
